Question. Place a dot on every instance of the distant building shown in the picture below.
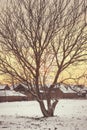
(80, 89)
(24, 90)
(55, 93)
(60, 91)
(10, 95)
(20, 88)
(68, 92)
(4, 87)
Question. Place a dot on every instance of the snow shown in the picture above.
(66, 90)
(16, 85)
(10, 93)
(2, 86)
(69, 115)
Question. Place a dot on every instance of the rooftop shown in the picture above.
(10, 93)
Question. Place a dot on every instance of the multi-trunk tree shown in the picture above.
(39, 39)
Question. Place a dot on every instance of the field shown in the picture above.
(69, 115)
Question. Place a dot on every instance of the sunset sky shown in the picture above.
(74, 71)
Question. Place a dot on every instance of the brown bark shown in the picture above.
(50, 111)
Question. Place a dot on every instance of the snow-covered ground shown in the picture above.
(69, 115)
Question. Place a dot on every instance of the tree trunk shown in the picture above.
(50, 111)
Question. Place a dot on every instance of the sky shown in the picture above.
(74, 71)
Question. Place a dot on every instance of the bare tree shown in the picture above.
(39, 39)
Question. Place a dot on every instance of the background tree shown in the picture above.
(39, 39)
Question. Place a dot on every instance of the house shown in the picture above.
(83, 92)
(55, 92)
(20, 88)
(11, 95)
(60, 91)
(85, 89)
(4, 87)
(68, 92)
(24, 90)
(80, 89)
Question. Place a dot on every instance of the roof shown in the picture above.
(66, 89)
(17, 85)
(10, 93)
(3, 86)
(79, 90)
(85, 88)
